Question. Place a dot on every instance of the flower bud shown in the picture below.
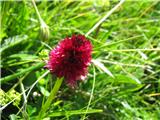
(44, 31)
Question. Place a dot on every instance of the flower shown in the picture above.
(70, 59)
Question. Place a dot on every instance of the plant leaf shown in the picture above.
(102, 67)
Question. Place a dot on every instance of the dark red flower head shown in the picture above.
(71, 58)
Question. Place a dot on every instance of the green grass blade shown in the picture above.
(13, 76)
(75, 112)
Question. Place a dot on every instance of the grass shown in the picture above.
(123, 82)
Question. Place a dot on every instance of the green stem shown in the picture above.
(50, 98)
(13, 76)
(44, 29)
(25, 115)
(37, 12)
(91, 96)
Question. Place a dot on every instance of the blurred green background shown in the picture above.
(125, 80)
